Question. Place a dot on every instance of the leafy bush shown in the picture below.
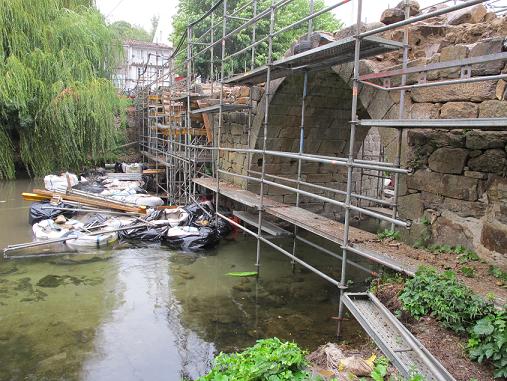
(269, 359)
(388, 234)
(488, 341)
(441, 295)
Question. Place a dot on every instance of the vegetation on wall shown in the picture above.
(57, 105)
(192, 10)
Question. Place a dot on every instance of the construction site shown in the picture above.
(347, 195)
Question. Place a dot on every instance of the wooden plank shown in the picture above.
(207, 123)
(267, 226)
(234, 192)
(106, 204)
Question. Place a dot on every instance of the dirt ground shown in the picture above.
(482, 282)
(448, 347)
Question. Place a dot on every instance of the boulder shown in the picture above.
(492, 161)
(460, 187)
(392, 15)
(413, 5)
(477, 140)
(471, 15)
(446, 231)
(494, 237)
(448, 160)
(456, 110)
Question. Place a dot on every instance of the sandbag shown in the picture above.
(56, 183)
(45, 210)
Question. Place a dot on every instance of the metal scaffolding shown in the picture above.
(182, 125)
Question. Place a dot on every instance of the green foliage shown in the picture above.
(126, 31)
(388, 234)
(467, 271)
(464, 255)
(380, 369)
(498, 273)
(441, 295)
(192, 10)
(488, 342)
(269, 359)
(57, 107)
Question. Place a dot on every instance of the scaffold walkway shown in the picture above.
(394, 339)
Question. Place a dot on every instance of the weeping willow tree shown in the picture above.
(57, 104)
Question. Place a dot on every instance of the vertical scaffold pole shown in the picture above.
(220, 110)
(265, 131)
(301, 138)
(399, 131)
(186, 140)
(252, 66)
(353, 125)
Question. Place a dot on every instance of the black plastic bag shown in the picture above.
(144, 233)
(44, 210)
(207, 239)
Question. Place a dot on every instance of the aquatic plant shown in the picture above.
(242, 274)
(269, 359)
(57, 105)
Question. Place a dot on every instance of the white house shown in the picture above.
(144, 63)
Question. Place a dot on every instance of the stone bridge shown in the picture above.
(458, 192)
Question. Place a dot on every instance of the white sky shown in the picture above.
(140, 12)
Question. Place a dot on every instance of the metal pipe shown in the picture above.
(337, 256)
(304, 183)
(438, 83)
(399, 132)
(281, 250)
(348, 206)
(325, 199)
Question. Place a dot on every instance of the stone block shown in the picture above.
(462, 208)
(244, 91)
(494, 237)
(417, 138)
(501, 90)
(448, 160)
(475, 91)
(456, 110)
(410, 206)
(446, 231)
(471, 15)
(452, 53)
(493, 109)
(460, 187)
(491, 161)
(476, 175)
(478, 140)
(483, 48)
(424, 111)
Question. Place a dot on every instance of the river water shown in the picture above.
(144, 312)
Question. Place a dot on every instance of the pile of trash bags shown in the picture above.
(190, 228)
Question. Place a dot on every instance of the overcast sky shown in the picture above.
(140, 12)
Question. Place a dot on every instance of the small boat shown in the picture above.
(191, 238)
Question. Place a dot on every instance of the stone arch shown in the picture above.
(327, 131)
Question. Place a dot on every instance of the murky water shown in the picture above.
(149, 313)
